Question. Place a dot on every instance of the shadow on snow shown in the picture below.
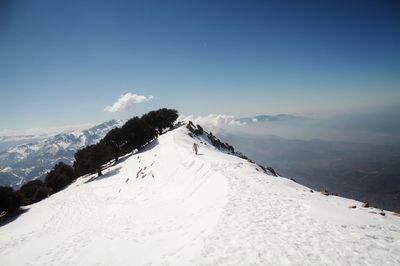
(10, 217)
(116, 170)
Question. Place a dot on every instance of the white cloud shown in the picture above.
(254, 120)
(125, 101)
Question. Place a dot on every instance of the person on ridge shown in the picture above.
(195, 147)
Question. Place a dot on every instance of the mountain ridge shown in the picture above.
(30, 161)
(165, 205)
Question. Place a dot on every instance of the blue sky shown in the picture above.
(63, 62)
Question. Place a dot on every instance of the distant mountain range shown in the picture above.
(26, 162)
(12, 141)
(273, 118)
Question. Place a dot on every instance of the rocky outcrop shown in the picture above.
(219, 144)
(197, 130)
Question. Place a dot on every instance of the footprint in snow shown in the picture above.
(138, 173)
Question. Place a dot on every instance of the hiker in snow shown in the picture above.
(195, 147)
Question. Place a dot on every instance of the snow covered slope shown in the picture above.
(167, 206)
(26, 162)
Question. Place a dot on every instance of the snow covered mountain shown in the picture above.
(11, 141)
(30, 161)
(167, 206)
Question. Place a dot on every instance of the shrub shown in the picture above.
(33, 191)
(116, 141)
(9, 200)
(82, 163)
(91, 158)
(137, 132)
(99, 154)
(61, 176)
(134, 134)
(161, 119)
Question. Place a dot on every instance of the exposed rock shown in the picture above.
(366, 205)
(200, 130)
(191, 126)
(196, 130)
(219, 144)
(352, 207)
(241, 155)
(272, 170)
(325, 192)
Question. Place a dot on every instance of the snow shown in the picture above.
(5, 169)
(166, 206)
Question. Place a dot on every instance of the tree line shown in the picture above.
(131, 137)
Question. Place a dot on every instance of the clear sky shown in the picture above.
(63, 62)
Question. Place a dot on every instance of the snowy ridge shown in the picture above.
(30, 161)
(167, 206)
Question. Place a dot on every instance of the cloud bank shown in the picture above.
(215, 122)
(125, 101)
(44, 131)
(373, 126)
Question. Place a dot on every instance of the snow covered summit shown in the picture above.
(167, 206)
